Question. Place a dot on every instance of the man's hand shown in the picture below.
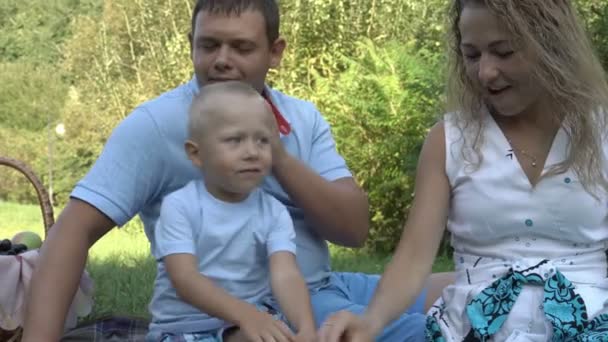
(306, 336)
(262, 327)
(345, 326)
(279, 153)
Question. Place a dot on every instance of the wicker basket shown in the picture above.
(47, 217)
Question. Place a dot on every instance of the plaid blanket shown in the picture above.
(109, 329)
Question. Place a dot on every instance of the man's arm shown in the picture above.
(340, 208)
(60, 265)
(289, 288)
(127, 174)
(322, 186)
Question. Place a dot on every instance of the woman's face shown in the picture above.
(500, 70)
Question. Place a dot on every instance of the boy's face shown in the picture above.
(234, 152)
(233, 47)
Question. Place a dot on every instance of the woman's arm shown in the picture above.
(405, 275)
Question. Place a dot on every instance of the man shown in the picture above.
(143, 161)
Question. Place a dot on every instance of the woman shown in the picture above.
(517, 173)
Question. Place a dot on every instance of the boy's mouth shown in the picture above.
(252, 170)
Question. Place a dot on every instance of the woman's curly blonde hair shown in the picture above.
(567, 69)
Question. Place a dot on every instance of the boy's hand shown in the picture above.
(262, 327)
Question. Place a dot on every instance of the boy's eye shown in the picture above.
(233, 139)
(263, 140)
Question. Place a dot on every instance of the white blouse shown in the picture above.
(499, 221)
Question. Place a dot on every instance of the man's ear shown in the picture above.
(192, 150)
(276, 52)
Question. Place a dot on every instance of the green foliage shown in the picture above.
(33, 30)
(28, 147)
(131, 53)
(31, 96)
(372, 66)
(318, 32)
(595, 16)
(380, 109)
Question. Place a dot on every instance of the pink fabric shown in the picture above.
(15, 275)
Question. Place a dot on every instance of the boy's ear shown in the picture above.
(191, 47)
(192, 150)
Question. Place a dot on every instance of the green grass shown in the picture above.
(123, 270)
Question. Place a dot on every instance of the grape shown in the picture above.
(5, 245)
(19, 248)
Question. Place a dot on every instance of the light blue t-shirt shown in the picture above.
(232, 243)
(144, 160)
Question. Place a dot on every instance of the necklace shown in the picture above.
(523, 152)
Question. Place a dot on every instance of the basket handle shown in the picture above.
(43, 196)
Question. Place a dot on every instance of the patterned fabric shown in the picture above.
(217, 335)
(193, 337)
(564, 308)
(109, 329)
(433, 331)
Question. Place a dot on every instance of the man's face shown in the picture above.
(233, 47)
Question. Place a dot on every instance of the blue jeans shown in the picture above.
(353, 291)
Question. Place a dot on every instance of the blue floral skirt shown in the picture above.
(527, 300)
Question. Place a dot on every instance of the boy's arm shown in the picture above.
(60, 266)
(289, 288)
(201, 292)
(288, 285)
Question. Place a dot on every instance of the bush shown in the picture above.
(595, 15)
(30, 96)
(30, 148)
(380, 109)
(380, 94)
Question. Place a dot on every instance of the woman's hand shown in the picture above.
(345, 326)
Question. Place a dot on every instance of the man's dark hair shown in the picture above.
(268, 8)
